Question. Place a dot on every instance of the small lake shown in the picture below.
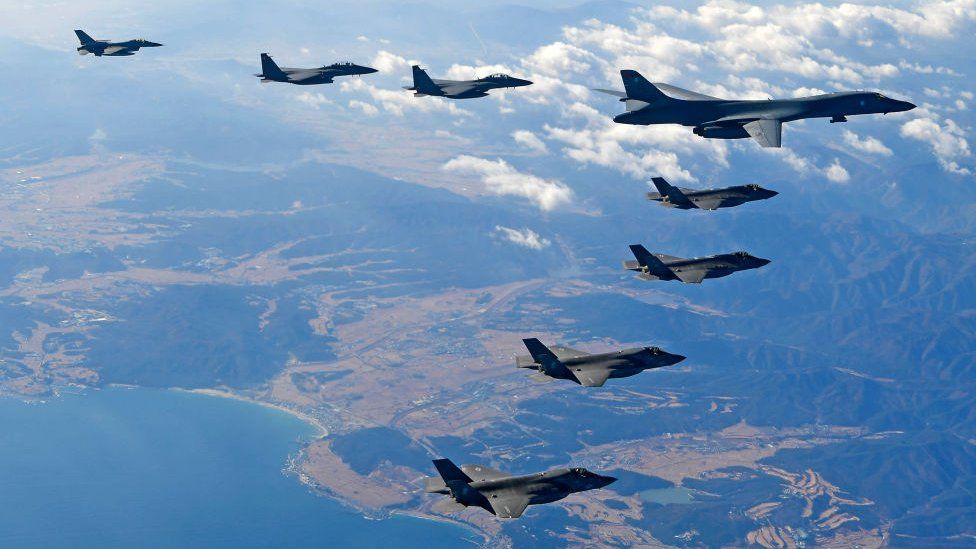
(154, 468)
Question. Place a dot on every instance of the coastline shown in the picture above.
(322, 430)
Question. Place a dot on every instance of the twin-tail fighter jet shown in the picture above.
(99, 48)
(590, 370)
(762, 120)
(461, 89)
(503, 494)
(692, 271)
(271, 72)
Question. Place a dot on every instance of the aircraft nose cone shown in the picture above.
(369, 70)
(606, 480)
(674, 359)
(770, 194)
(760, 262)
(519, 82)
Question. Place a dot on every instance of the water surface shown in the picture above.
(154, 468)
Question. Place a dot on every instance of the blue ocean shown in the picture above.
(156, 468)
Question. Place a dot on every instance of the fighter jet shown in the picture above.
(461, 89)
(503, 494)
(591, 370)
(710, 199)
(107, 47)
(271, 72)
(762, 120)
(693, 271)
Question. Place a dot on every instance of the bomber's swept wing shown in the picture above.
(767, 132)
(508, 505)
(691, 276)
(592, 376)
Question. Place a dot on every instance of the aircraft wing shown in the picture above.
(691, 276)
(708, 203)
(767, 132)
(459, 88)
(592, 377)
(668, 258)
(508, 505)
(303, 75)
(565, 353)
(481, 472)
(116, 50)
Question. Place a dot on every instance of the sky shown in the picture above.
(909, 50)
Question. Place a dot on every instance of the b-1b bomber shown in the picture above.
(762, 120)
(591, 370)
(503, 494)
(710, 199)
(691, 271)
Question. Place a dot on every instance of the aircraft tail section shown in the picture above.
(674, 194)
(540, 353)
(270, 69)
(450, 472)
(640, 89)
(646, 259)
(422, 84)
(84, 38)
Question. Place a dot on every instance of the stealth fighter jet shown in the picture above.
(665, 267)
(710, 199)
(461, 89)
(271, 72)
(762, 120)
(503, 494)
(107, 47)
(591, 370)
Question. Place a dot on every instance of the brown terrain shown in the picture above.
(416, 380)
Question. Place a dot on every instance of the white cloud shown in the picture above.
(868, 145)
(836, 173)
(499, 177)
(523, 237)
(389, 63)
(530, 141)
(398, 102)
(948, 141)
(368, 108)
(314, 100)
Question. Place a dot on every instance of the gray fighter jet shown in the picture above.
(503, 494)
(461, 89)
(762, 120)
(107, 47)
(710, 199)
(591, 370)
(693, 271)
(271, 72)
